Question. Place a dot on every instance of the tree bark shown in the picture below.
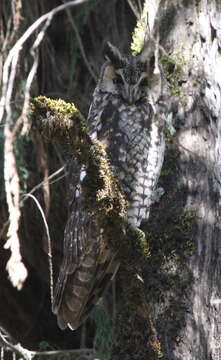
(185, 289)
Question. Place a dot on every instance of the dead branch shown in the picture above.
(15, 267)
(10, 65)
(81, 47)
(48, 241)
(26, 354)
(17, 348)
(134, 8)
(47, 181)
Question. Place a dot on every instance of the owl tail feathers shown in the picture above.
(72, 310)
(76, 294)
(63, 308)
(67, 318)
(58, 293)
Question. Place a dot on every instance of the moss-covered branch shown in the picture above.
(62, 123)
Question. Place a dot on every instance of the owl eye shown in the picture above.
(118, 80)
(144, 82)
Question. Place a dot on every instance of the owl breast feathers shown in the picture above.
(123, 116)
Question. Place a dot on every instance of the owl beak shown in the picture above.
(130, 94)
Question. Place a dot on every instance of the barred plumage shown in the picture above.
(123, 117)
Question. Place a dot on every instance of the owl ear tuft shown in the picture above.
(113, 54)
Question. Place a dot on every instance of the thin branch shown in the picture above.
(34, 53)
(82, 351)
(49, 242)
(56, 180)
(45, 181)
(133, 8)
(14, 19)
(139, 6)
(81, 47)
(5, 225)
(13, 56)
(18, 349)
(29, 355)
(15, 267)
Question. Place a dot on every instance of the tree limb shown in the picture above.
(17, 348)
(26, 354)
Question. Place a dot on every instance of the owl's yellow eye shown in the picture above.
(118, 80)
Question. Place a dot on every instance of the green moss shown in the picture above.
(57, 108)
(173, 68)
(140, 31)
(135, 336)
(170, 231)
(59, 122)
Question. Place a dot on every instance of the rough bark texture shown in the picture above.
(187, 318)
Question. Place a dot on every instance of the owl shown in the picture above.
(125, 117)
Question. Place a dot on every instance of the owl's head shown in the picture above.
(133, 78)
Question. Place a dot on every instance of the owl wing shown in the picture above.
(87, 264)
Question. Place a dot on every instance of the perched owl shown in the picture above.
(124, 117)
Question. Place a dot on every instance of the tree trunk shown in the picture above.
(185, 228)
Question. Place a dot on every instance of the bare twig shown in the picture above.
(34, 53)
(134, 9)
(45, 181)
(18, 349)
(29, 355)
(49, 243)
(10, 65)
(15, 267)
(5, 225)
(16, 6)
(139, 6)
(88, 352)
(81, 47)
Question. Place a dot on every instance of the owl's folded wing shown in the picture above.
(87, 266)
